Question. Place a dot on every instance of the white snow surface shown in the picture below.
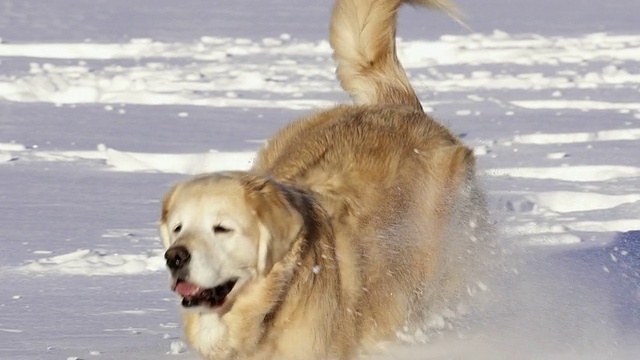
(94, 131)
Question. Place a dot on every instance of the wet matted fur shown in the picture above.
(353, 223)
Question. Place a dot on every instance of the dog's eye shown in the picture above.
(219, 229)
(177, 228)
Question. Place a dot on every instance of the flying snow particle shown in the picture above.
(557, 155)
(177, 347)
(480, 150)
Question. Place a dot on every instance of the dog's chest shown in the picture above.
(206, 332)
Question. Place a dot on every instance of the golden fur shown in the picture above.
(353, 222)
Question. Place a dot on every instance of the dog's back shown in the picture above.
(397, 185)
(362, 34)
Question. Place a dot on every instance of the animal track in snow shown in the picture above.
(569, 201)
(575, 105)
(581, 173)
(87, 262)
(193, 163)
(578, 137)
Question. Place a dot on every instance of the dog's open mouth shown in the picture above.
(193, 295)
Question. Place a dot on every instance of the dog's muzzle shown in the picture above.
(193, 295)
(178, 258)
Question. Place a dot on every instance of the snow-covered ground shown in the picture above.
(105, 104)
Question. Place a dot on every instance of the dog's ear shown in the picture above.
(280, 222)
(167, 202)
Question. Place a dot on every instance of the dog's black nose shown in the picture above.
(177, 257)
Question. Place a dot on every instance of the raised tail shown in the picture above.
(363, 37)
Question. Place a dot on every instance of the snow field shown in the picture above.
(289, 73)
(92, 134)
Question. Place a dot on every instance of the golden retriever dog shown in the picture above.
(354, 222)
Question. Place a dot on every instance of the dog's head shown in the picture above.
(221, 232)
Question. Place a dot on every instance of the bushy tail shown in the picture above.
(363, 37)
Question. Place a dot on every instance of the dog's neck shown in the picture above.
(312, 252)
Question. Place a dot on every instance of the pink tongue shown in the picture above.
(187, 289)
